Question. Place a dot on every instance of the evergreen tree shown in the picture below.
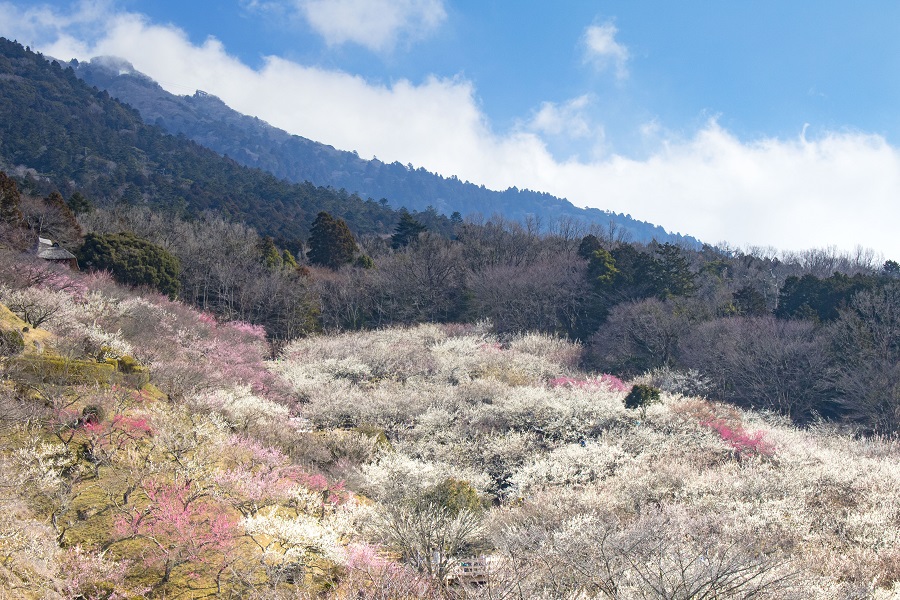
(634, 280)
(132, 260)
(891, 268)
(749, 302)
(78, 204)
(9, 201)
(819, 300)
(271, 256)
(288, 259)
(671, 273)
(589, 244)
(407, 230)
(331, 243)
(602, 268)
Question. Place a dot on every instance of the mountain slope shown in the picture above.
(252, 142)
(148, 451)
(72, 137)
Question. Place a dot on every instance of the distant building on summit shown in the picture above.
(53, 252)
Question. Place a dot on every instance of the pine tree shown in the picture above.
(331, 242)
(407, 230)
(589, 244)
(78, 204)
(132, 260)
(270, 253)
(671, 272)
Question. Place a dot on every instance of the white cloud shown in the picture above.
(378, 25)
(602, 49)
(39, 23)
(568, 118)
(836, 189)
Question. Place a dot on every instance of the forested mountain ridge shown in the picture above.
(56, 132)
(249, 141)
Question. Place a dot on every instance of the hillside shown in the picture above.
(206, 120)
(150, 451)
(56, 132)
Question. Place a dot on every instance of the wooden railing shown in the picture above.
(470, 571)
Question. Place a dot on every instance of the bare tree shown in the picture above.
(762, 362)
(548, 295)
(424, 282)
(866, 342)
(429, 537)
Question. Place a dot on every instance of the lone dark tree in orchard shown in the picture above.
(407, 230)
(331, 243)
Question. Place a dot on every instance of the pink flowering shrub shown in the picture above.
(371, 574)
(104, 440)
(180, 526)
(743, 442)
(94, 577)
(334, 492)
(261, 476)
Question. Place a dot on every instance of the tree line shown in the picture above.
(813, 335)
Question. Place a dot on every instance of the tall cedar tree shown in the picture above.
(331, 243)
(671, 272)
(408, 229)
(9, 201)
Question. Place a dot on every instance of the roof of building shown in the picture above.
(48, 250)
(55, 253)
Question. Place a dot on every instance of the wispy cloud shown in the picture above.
(568, 118)
(812, 190)
(379, 25)
(603, 51)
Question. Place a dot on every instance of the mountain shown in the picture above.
(250, 141)
(57, 132)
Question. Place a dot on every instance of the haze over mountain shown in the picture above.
(250, 141)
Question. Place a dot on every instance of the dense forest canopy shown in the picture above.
(60, 134)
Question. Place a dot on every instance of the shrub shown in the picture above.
(742, 441)
(455, 496)
(11, 343)
(132, 260)
(641, 396)
(686, 383)
(63, 371)
(92, 414)
(128, 364)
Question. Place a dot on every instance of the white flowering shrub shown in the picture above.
(397, 476)
(390, 353)
(567, 493)
(571, 466)
(242, 409)
(563, 353)
(294, 539)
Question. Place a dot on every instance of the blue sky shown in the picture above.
(756, 123)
